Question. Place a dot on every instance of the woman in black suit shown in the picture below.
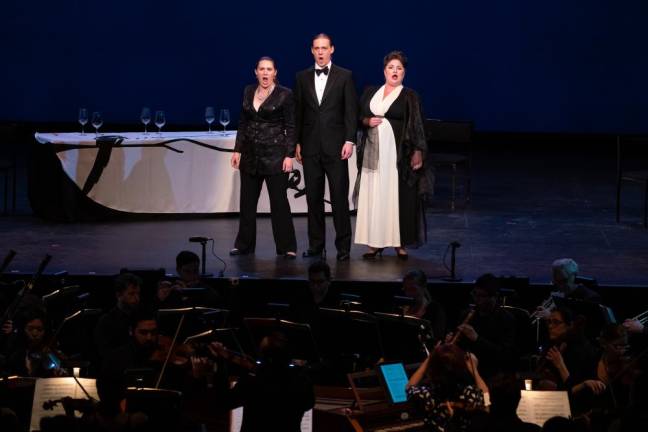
(265, 146)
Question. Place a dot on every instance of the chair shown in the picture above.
(8, 165)
(632, 172)
(450, 144)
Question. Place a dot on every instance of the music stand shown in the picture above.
(401, 336)
(190, 320)
(162, 407)
(350, 335)
(226, 336)
(75, 331)
(300, 337)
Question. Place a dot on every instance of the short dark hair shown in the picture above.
(124, 280)
(186, 257)
(320, 267)
(395, 55)
(489, 283)
(322, 36)
(142, 314)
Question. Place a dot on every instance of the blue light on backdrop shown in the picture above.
(510, 65)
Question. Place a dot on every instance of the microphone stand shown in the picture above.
(203, 272)
(453, 253)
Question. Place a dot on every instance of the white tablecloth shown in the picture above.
(159, 180)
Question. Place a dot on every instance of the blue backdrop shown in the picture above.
(510, 65)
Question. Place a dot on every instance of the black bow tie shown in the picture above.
(324, 70)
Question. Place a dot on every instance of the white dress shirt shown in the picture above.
(320, 82)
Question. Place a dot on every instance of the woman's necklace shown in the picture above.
(261, 97)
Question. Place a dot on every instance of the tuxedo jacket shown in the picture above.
(267, 136)
(324, 128)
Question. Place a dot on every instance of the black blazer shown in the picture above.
(267, 136)
(325, 128)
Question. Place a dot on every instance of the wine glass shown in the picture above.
(83, 119)
(160, 120)
(145, 117)
(224, 119)
(210, 116)
(97, 122)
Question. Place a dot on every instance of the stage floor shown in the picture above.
(525, 212)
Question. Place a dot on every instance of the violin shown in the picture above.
(220, 351)
(178, 354)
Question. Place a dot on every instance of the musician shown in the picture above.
(564, 272)
(32, 354)
(447, 387)
(563, 277)
(138, 350)
(424, 307)
(570, 361)
(277, 394)
(490, 334)
(112, 328)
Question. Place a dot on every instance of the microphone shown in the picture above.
(198, 239)
(455, 244)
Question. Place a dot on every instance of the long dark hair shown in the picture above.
(447, 371)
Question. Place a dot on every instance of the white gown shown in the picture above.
(377, 221)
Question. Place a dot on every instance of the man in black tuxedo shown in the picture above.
(326, 117)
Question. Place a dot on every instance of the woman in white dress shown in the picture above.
(390, 158)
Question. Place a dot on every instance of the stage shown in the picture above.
(527, 208)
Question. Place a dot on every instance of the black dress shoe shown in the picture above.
(311, 253)
(343, 256)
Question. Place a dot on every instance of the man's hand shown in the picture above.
(298, 155)
(7, 327)
(347, 150)
(235, 160)
(633, 326)
(468, 331)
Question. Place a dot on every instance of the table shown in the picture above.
(168, 173)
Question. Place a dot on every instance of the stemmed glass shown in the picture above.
(145, 117)
(160, 120)
(97, 122)
(210, 116)
(224, 119)
(83, 119)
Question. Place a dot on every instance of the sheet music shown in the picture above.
(236, 418)
(539, 406)
(47, 389)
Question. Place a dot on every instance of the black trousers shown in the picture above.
(282, 224)
(316, 168)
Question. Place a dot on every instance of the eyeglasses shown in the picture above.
(555, 322)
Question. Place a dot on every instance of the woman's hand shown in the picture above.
(235, 160)
(373, 121)
(298, 155)
(555, 357)
(417, 160)
(287, 165)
